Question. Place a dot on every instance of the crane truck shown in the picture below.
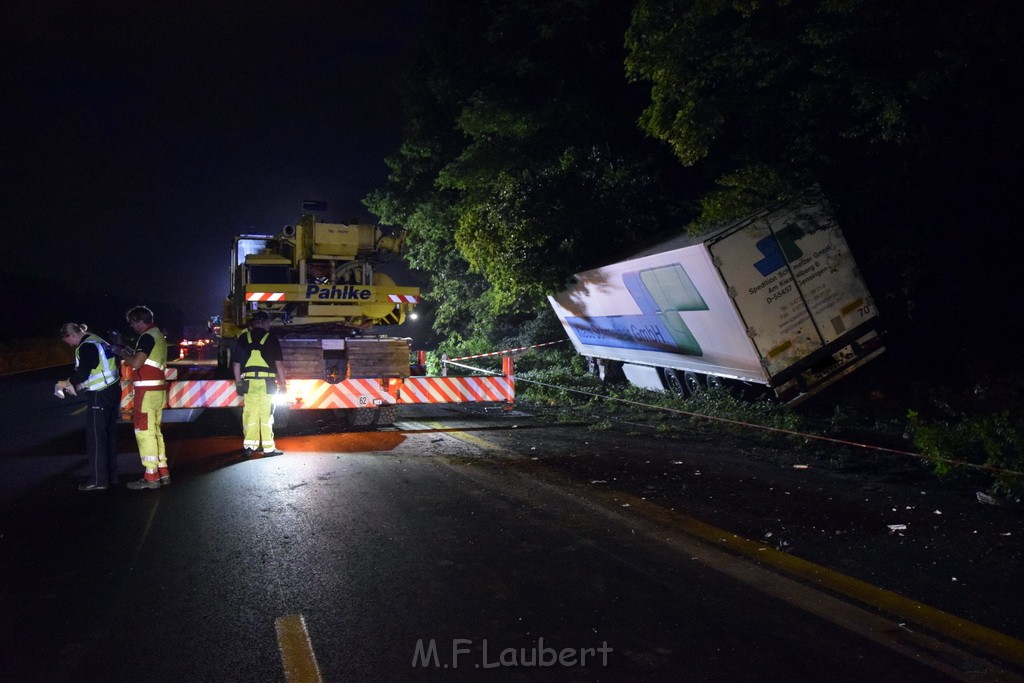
(773, 300)
(320, 285)
(319, 282)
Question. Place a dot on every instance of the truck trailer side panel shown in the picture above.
(665, 310)
(774, 299)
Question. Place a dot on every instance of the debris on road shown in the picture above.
(986, 499)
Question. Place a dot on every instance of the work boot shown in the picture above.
(165, 476)
(92, 487)
(273, 452)
(248, 452)
(144, 484)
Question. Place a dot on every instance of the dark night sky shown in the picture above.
(139, 138)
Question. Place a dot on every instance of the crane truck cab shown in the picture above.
(320, 285)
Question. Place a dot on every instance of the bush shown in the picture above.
(970, 433)
(559, 377)
(989, 441)
(547, 378)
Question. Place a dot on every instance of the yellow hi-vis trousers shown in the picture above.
(146, 417)
(258, 416)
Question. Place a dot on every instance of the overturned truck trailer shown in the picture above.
(774, 299)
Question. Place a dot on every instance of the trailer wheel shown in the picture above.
(674, 382)
(357, 419)
(732, 387)
(716, 382)
(694, 387)
(386, 415)
(682, 384)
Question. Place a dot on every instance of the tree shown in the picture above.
(522, 162)
(898, 109)
(775, 94)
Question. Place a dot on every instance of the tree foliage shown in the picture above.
(899, 110)
(775, 94)
(522, 162)
(538, 138)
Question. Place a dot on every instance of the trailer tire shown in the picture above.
(358, 419)
(386, 415)
(673, 382)
(716, 382)
(743, 391)
(682, 383)
(694, 385)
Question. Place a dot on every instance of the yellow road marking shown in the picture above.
(297, 655)
(967, 632)
(468, 438)
(975, 635)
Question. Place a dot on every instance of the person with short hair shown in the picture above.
(148, 361)
(258, 365)
(96, 375)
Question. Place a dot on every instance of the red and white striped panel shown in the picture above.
(349, 393)
(403, 298)
(315, 394)
(127, 395)
(266, 296)
(203, 393)
(457, 389)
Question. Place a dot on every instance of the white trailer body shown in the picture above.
(772, 299)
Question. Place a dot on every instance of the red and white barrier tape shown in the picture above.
(505, 352)
(787, 432)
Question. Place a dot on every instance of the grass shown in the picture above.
(959, 434)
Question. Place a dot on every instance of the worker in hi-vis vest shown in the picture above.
(148, 362)
(96, 375)
(259, 373)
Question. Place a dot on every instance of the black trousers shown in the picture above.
(101, 434)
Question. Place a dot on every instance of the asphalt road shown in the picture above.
(447, 547)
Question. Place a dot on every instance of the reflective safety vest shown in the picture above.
(256, 366)
(105, 373)
(151, 374)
